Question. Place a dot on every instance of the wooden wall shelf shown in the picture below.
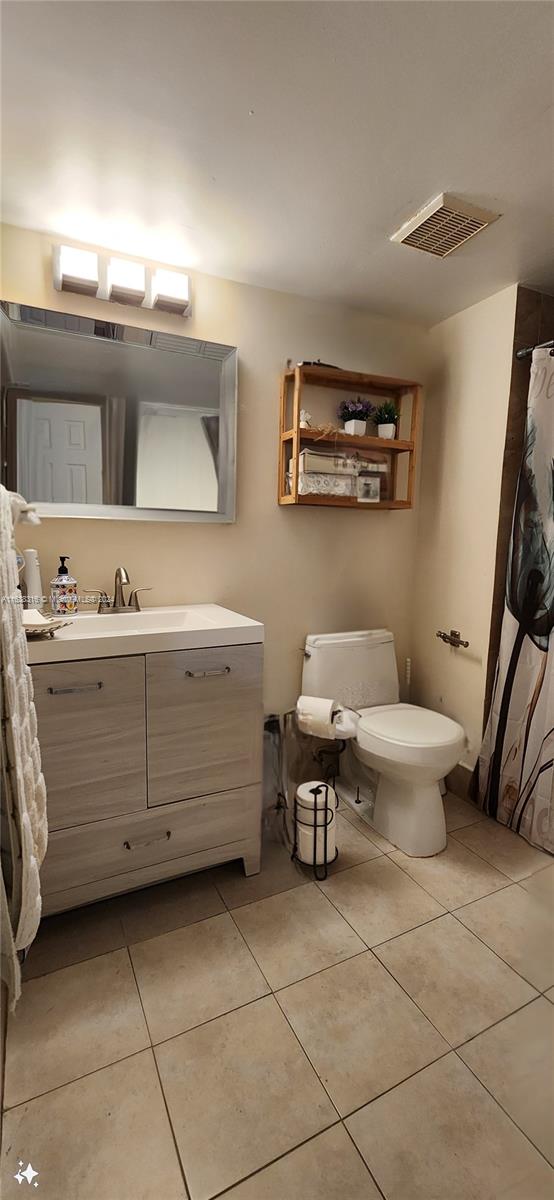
(292, 439)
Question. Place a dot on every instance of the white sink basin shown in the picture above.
(180, 627)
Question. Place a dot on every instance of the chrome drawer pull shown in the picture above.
(205, 674)
(164, 837)
(84, 687)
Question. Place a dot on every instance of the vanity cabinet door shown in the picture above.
(92, 733)
(205, 721)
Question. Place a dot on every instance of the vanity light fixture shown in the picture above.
(126, 281)
(75, 270)
(120, 280)
(170, 291)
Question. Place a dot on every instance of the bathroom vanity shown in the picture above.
(150, 727)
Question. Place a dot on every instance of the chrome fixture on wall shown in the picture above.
(452, 639)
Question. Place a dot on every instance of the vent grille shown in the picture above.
(443, 226)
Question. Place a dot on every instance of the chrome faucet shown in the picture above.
(121, 578)
(105, 605)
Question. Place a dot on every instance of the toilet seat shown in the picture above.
(406, 733)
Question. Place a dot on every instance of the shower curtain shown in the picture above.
(515, 774)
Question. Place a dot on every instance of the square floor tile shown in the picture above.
(503, 848)
(457, 981)
(439, 1134)
(515, 1061)
(352, 845)
(71, 1022)
(379, 900)
(541, 887)
(240, 1092)
(455, 876)
(278, 874)
(155, 910)
(365, 828)
(104, 1137)
(459, 813)
(296, 934)
(328, 1167)
(72, 936)
(360, 1030)
(193, 974)
(518, 928)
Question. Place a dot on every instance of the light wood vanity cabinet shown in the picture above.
(203, 711)
(92, 730)
(153, 765)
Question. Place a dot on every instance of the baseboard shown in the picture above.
(458, 781)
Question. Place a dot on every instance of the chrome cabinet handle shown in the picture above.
(164, 837)
(69, 691)
(205, 674)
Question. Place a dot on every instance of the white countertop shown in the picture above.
(178, 627)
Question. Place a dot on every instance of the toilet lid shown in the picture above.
(408, 725)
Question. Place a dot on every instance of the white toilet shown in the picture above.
(411, 748)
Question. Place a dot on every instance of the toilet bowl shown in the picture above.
(410, 748)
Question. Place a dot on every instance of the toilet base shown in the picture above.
(411, 816)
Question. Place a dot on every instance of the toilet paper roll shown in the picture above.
(346, 723)
(315, 716)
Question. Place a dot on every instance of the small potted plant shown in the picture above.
(385, 418)
(355, 413)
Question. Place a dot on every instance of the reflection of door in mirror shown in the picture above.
(177, 457)
(59, 450)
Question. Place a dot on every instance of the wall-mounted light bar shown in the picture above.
(120, 280)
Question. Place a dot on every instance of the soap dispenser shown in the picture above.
(63, 589)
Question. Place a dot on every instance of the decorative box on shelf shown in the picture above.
(377, 473)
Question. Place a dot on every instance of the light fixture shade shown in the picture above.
(170, 291)
(126, 281)
(75, 270)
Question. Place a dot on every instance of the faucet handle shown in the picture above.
(103, 598)
(134, 601)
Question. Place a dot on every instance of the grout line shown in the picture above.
(399, 1084)
(285, 1154)
(435, 898)
(86, 1074)
(491, 864)
(303, 1049)
(360, 1155)
(492, 950)
(157, 1070)
(501, 1106)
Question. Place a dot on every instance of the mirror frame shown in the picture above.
(225, 514)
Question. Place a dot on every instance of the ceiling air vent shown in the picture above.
(443, 225)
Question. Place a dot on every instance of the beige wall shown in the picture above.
(463, 445)
(297, 570)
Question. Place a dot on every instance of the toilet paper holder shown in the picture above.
(452, 639)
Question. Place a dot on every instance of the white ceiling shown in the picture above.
(282, 143)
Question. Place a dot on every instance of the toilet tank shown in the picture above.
(357, 669)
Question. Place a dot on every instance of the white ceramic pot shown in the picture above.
(356, 427)
(386, 431)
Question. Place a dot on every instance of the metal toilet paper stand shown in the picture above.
(329, 813)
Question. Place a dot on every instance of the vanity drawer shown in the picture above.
(205, 721)
(92, 733)
(107, 848)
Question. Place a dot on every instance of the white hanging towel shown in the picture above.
(25, 803)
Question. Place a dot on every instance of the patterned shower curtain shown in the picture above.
(515, 771)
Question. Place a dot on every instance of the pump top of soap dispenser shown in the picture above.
(62, 569)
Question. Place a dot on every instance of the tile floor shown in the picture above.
(386, 1033)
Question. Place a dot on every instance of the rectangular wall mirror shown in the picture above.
(107, 420)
